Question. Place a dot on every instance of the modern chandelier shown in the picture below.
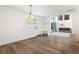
(30, 17)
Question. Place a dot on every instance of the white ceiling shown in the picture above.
(46, 10)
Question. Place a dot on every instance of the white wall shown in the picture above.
(13, 25)
(75, 21)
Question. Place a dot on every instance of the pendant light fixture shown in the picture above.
(30, 17)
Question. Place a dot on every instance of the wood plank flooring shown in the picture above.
(41, 45)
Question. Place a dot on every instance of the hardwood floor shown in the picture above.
(41, 45)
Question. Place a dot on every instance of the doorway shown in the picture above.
(53, 24)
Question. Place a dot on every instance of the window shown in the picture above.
(66, 17)
(60, 17)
